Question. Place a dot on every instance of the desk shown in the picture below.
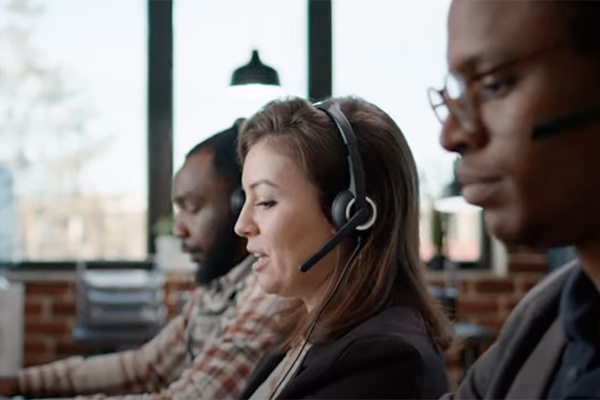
(100, 340)
(121, 336)
(118, 308)
(472, 337)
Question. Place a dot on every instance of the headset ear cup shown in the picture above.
(338, 209)
(236, 201)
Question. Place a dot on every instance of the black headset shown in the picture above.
(352, 211)
(351, 206)
(238, 197)
(236, 201)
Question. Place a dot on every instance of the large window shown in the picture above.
(73, 101)
(212, 39)
(389, 52)
(73, 129)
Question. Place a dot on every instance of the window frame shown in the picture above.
(160, 124)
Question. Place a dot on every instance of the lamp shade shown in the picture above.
(255, 72)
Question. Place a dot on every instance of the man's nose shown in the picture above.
(459, 139)
(179, 228)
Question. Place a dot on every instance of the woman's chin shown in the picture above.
(271, 287)
(266, 284)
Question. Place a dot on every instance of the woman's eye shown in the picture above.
(266, 204)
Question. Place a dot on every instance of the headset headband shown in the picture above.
(355, 167)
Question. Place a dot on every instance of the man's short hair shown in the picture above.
(584, 24)
(222, 145)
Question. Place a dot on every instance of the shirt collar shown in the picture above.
(580, 307)
(236, 275)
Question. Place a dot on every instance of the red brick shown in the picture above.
(529, 254)
(52, 288)
(67, 347)
(494, 286)
(524, 251)
(34, 306)
(526, 285)
(36, 346)
(34, 318)
(464, 287)
(510, 304)
(31, 360)
(435, 281)
(477, 306)
(525, 266)
(54, 327)
(64, 307)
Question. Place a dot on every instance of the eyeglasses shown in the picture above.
(462, 97)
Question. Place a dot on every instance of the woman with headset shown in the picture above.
(331, 214)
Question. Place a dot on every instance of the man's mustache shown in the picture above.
(191, 250)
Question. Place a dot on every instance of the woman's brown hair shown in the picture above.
(388, 267)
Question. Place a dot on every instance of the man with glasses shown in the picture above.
(521, 107)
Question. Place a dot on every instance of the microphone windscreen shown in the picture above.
(565, 122)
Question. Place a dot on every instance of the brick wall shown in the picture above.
(49, 314)
(486, 300)
(483, 299)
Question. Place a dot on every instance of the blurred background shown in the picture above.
(101, 99)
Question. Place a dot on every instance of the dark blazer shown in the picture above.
(520, 364)
(387, 356)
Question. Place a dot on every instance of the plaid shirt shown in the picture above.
(207, 352)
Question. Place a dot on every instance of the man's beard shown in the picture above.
(224, 255)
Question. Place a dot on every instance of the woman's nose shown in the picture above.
(245, 226)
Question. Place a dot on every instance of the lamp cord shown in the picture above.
(314, 322)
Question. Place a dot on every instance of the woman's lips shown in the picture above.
(261, 259)
(260, 263)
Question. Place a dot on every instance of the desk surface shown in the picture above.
(113, 336)
(472, 332)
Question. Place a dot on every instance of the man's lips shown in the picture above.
(195, 253)
(479, 189)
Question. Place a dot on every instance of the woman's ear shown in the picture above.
(332, 228)
(330, 224)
